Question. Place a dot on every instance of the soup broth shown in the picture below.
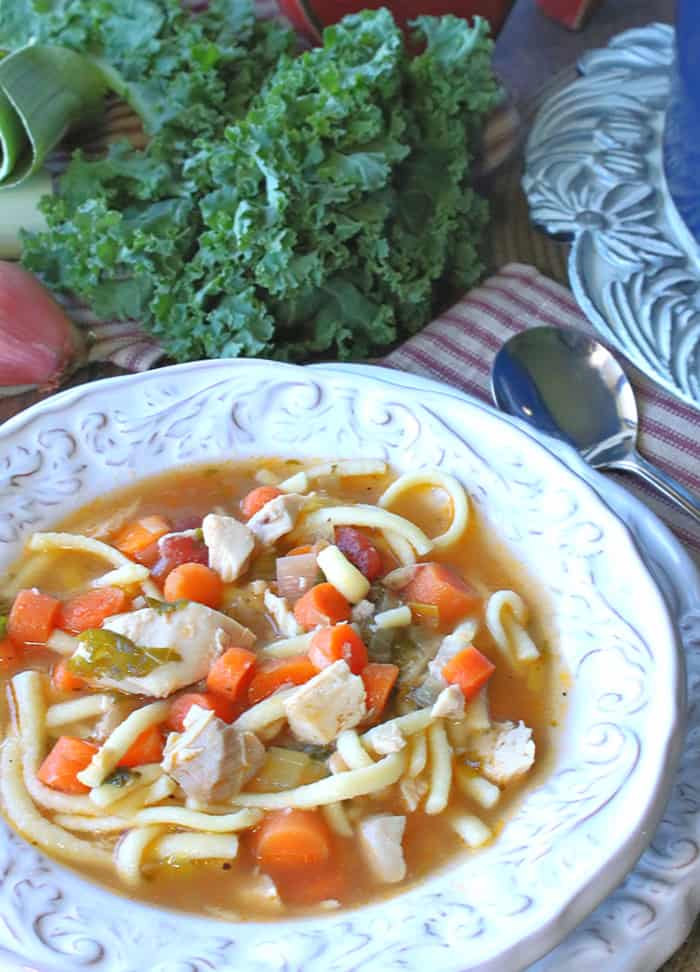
(318, 854)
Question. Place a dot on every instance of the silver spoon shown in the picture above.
(567, 385)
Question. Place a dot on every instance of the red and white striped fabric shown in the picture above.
(458, 348)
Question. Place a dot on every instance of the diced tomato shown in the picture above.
(175, 551)
(359, 550)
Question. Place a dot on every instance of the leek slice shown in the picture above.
(44, 91)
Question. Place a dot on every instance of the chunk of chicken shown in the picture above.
(362, 612)
(449, 704)
(283, 616)
(230, 544)
(505, 752)
(380, 839)
(211, 760)
(196, 632)
(276, 518)
(412, 791)
(327, 704)
(451, 645)
(387, 738)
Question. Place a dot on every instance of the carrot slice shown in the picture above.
(379, 680)
(338, 643)
(223, 708)
(257, 498)
(147, 748)
(68, 757)
(63, 679)
(231, 673)
(90, 609)
(194, 582)
(442, 586)
(276, 673)
(328, 883)
(323, 604)
(9, 653)
(289, 840)
(136, 537)
(470, 670)
(32, 617)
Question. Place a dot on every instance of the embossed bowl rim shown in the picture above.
(440, 924)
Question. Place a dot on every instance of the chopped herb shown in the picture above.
(318, 753)
(165, 607)
(3, 625)
(106, 653)
(120, 777)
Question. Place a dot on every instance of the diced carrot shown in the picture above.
(223, 708)
(359, 550)
(279, 672)
(306, 548)
(231, 673)
(9, 653)
(63, 679)
(137, 536)
(323, 604)
(32, 617)
(68, 757)
(257, 498)
(312, 885)
(194, 582)
(470, 670)
(379, 680)
(341, 642)
(289, 840)
(148, 748)
(441, 585)
(89, 610)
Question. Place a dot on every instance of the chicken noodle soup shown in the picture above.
(260, 688)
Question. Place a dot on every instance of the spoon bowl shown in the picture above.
(569, 386)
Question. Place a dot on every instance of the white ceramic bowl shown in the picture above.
(571, 841)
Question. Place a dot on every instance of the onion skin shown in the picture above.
(38, 341)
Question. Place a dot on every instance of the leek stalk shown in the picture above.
(44, 91)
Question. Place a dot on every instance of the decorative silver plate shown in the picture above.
(594, 175)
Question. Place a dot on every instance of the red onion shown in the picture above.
(38, 342)
(296, 575)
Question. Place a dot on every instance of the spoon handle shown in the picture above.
(665, 484)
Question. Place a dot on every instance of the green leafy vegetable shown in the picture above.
(106, 653)
(286, 206)
(166, 607)
(4, 618)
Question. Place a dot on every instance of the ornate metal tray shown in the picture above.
(594, 175)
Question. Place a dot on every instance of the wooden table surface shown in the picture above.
(530, 51)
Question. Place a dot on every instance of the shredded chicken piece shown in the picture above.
(380, 837)
(449, 704)
(276, 518)
(230, 544)
(211, 760)
(505, 752)
(327, 704)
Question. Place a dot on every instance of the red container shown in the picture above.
(311, 16)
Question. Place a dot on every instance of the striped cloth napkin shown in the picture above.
(459, 346)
